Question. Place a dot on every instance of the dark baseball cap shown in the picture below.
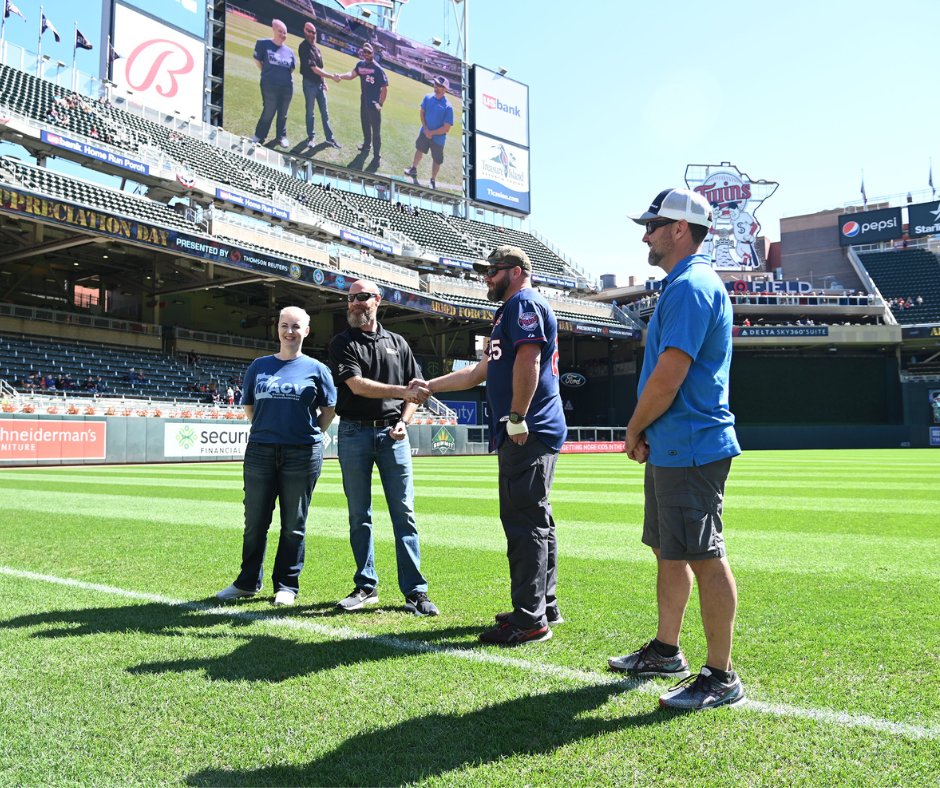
(505, 255)
(677, 204)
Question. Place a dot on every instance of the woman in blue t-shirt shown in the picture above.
(284, 455)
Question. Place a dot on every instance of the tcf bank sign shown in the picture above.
(163, 67)
(735, 198)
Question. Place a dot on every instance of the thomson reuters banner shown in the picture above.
(164, 68)
(35, 439)
(869, 227)
(226, 440)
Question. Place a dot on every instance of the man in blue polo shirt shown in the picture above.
(437, 117)
(527, 430)
(276, 63)
(683, 431)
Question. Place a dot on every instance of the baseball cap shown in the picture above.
(505, 255)
(367, 47)
(441, 81)
(677, 204)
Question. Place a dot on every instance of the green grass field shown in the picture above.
(401, 116)
(119, 668)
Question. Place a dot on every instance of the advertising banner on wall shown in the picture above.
(924, 219)
(397, 73)
(41, 439)
(188, 15)
(869, 227)
(164, 68)
(500, 106)
(225, 440)
(500, 173)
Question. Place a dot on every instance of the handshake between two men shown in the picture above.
(417, 391)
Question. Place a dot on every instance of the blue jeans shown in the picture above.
(315, 96)
(359, 449)
(275, 99)
(288, 474)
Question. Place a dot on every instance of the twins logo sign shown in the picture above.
(735, 198)
(528, 321)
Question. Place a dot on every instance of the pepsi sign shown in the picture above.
(869, 227)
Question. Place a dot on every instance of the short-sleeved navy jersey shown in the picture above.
(372, 79)
(285, 396)
(525, 318)
(277, 62)
(380, 356)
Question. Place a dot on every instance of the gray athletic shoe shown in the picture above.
(412, 171)
(359, 598)
(234, 592)
(418, 604)
(703, 691)
(645, 662)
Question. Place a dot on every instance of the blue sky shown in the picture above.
(624, 96)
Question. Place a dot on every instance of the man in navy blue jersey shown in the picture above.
(374, 84)
(527, 430)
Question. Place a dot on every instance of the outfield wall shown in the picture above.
(33, 439)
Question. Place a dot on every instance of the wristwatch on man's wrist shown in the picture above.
(515, 418)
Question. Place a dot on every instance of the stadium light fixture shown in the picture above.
(503, 71)
(366, 13)
(436, 41)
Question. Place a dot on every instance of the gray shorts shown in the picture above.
(683, 510)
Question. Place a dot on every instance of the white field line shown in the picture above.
(477, 655)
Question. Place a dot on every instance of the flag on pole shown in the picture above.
(933, 192)
(112, 55)
(12, 9)
(47, 25)
(80, 41)
(864, 196)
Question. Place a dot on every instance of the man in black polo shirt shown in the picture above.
(371, 368)
(315, 87)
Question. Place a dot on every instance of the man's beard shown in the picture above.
(497, 291)
(655, 257)
(358, 319)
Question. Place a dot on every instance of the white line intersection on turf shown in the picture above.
(478, 655)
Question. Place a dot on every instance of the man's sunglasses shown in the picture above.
(359, 297)
(652, 227)
(494, 269)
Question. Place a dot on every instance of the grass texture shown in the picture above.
(401, 115)
(120, 668)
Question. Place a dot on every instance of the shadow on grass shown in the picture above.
(256, 657)
(435, 744)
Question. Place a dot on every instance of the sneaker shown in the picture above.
(418, 604)
(412, 171)
(234, 592)
(256, 140)
(703, 691)
(645, 662)
(311, 142)
(376, 160)
(283, 142)
(333, 144)
(510, 635)
(553, 618)
(359, 598)
(363, 148)
(284, 598)
(433, 184)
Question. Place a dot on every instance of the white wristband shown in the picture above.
(516, 429)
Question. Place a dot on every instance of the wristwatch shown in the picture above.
(515, 418)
